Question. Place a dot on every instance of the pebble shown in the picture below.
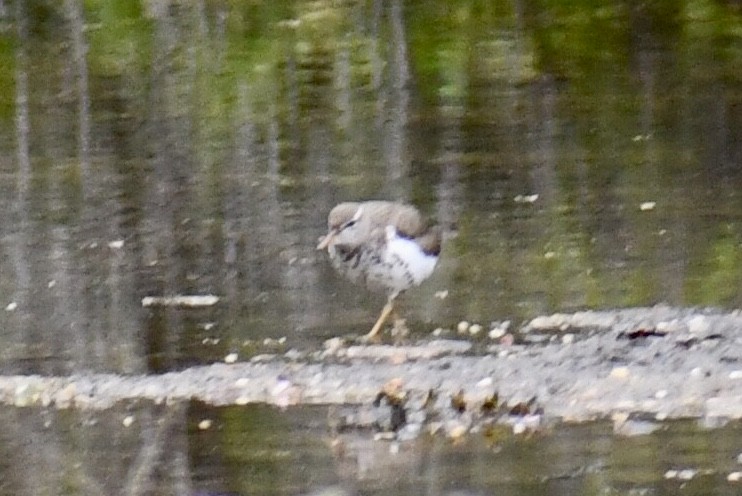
(333, 343)
(687, 474)
(475, 329)
(496, 333)
(116, 244)
(455, 429)
(441, 295)
(620, 373)
(735, 374)
(525, 198)
(294, 354)
(66, 396)
(462, 327)
(385, 436)
(410, 431)
(230, 358)
(11, 306)
(205, 424)
(568, 338)
(699, 325)
(671, 326)
(734, 477)
(696, 372)
(485, 383)
(128, 421)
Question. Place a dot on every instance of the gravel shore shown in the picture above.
(658, 363)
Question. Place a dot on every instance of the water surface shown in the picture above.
(577, 156)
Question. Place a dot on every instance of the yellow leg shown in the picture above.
(388, 309)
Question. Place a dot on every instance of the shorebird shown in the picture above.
(384, 246)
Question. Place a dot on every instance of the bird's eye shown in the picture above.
(350, 223)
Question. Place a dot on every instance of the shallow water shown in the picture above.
(575, 156)
(195, 449)
(192, 152)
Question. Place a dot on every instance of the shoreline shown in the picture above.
(658, 362)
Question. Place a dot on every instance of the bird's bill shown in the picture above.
(325, 242)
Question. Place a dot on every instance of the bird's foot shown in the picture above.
(370, 338)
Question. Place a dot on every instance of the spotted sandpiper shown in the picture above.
(385, 246)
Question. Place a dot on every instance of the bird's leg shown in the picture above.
(388, 309)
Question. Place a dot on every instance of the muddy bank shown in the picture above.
(660, 362)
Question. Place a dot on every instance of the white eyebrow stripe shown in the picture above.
(358, 214)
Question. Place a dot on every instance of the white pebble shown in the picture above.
(647, 206)
(231, 358)
(128, 420)
(116, 245)
(568, 338)
(496, 333)
(475, 329)
(484, 383)
(519, 428)
(525, 198)
(699, 325)
(735, 374)
(441, 295)
(51, 284)
(671, 474)
(11, 306)
(455, 429)
(384, 436)
(734, 477)
(333, 344)
(204, 424)
(696, 372)
(687, 474)
(462, 327)
(620, 373)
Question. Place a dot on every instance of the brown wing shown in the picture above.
(408, 222)
(405, 218)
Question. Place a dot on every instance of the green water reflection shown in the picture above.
(578, 155)
(180, 449)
